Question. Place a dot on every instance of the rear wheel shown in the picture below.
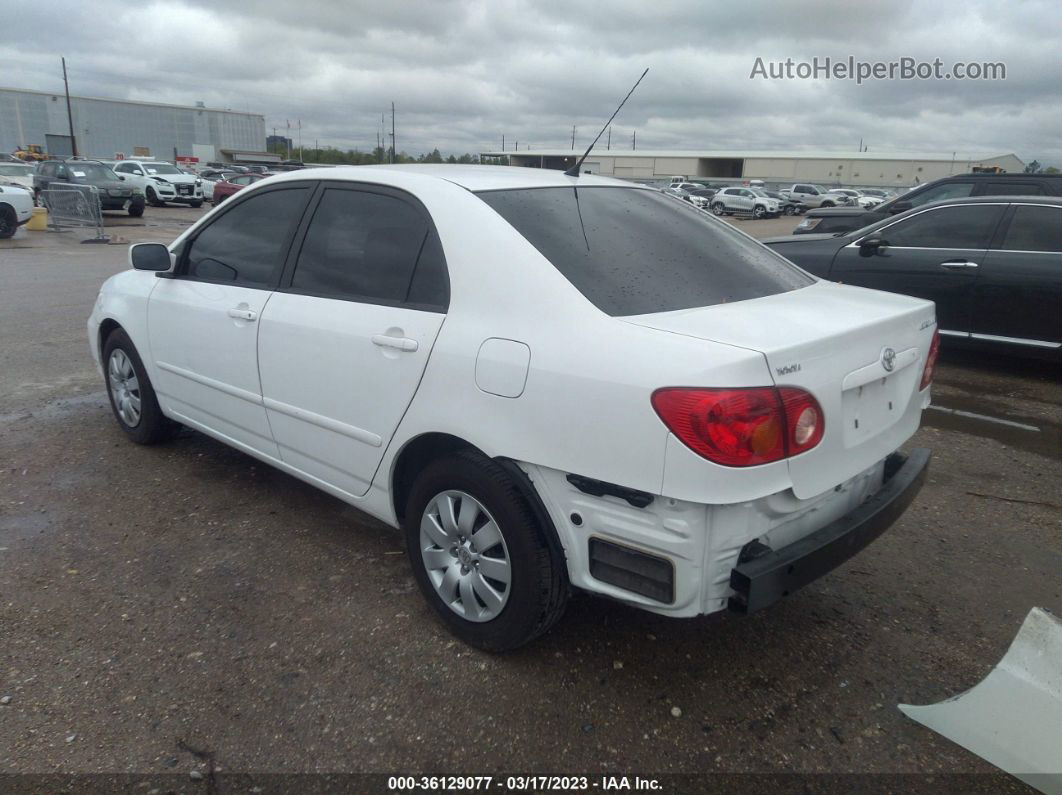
(788, 209)
(8, 222)
(131, 395)
(136, 209)
(827, 204)
(479, 555)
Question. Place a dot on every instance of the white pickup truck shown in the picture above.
(815, 195)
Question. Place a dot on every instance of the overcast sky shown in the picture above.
(462, 74)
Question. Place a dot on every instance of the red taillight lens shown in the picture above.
(741, 427)
(803, 420)
(931, 361)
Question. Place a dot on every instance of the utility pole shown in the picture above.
(609, 144)
(69, 113)
(573, 137)
(503, 142)
(302, 154)
(634, 140)
(394, 149)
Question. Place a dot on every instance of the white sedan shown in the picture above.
(16, 208)
(547, 382)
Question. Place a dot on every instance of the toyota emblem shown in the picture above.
(888, 359)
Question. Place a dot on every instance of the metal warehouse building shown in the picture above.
(106, 127)
(829, 168)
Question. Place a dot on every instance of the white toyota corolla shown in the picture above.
(546, 381)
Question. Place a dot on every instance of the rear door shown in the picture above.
(934, 254)
(203, 323)
(344, 342)
(1018, 293)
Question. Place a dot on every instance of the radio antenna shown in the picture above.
(574, 170)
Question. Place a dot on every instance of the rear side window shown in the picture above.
(247, 245)
(1011, 189)
(365, 246)
(969, 226)
(952, 190)
(632, 251)
(1035, 229)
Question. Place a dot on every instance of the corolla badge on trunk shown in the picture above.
(888, 359)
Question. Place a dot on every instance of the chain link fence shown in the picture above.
(77, 206)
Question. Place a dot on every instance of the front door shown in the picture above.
(344, 342)
(934, 254)
(203, 323)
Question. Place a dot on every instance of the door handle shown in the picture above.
(398, 343)
(243, 314)
(958, 265)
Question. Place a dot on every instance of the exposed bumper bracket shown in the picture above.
(767, 578)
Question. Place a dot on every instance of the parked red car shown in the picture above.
(226, 187)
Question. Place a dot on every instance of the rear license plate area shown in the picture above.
(872, 407)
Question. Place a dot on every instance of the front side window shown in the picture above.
(370, 247)
(953, 190)
(967, 227)
(632, 251)
(247, 244)
(1035, 228)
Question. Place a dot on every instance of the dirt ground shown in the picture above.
(185, 610)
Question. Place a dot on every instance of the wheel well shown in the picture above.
(106, 327)
(414, 457)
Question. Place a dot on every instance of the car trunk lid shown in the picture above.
(859, 352)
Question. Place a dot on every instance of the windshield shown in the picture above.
(633, 251)
(161, 168)
(15, 170)
(760, 193)
(92, 172)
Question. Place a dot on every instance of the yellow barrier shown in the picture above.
(39, 221)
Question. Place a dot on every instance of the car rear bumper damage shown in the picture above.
(769, 575)
(684, 559)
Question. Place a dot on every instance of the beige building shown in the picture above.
(867, 169)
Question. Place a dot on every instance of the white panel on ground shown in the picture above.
(1013, 718)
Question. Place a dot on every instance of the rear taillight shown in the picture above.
(931, 361)
(741, 427)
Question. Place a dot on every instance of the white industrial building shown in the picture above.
(823, 167)
(106, 128)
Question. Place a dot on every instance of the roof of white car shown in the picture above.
(470, 177)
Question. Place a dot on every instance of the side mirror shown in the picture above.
(869, 246)
(121, 178)
(900, 207)
(150, 257)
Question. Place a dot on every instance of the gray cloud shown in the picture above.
(462, 73)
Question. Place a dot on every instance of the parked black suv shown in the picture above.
(115, 193)
(837, 220)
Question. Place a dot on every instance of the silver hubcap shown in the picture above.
(465, 556)
(125, 388)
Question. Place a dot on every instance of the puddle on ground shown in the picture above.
(970, 416)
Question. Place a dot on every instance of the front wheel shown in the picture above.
(759, 211)
(480, 556)
(718, 208)
(788, 210)
(827, 204)
(131, 395)
(8, 222)
(153, 198)
(136, 209)
(197, 204)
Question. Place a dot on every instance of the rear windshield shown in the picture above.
(635, 252)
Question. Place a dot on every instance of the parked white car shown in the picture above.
(545, 388)
(16, 208)
(162, 182)
(744, 201)
(18, 174)
(856, 197)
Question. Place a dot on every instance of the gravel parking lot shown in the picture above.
(185, 608)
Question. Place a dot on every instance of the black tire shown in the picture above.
(197, 204)
(788, 209)
(8, 222)
(827, 204)
(538, 591)
(136, 209)
(152, 198)
(759, 211)
(153, 426)
(718, 208)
